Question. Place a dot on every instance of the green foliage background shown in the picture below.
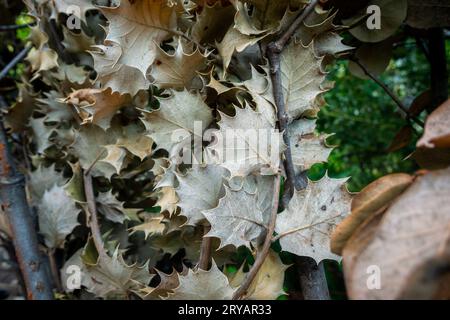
(365, 119)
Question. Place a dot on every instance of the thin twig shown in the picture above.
(205, 252)
(55, 270)
(93, 217)
(15, 61)
(16, 208)
(283, 121)
(15, 26)
(287, 35)
(293, 182)
(97, 159)
(388, 91)
(261, 257)
(273, 53)
(355, 24)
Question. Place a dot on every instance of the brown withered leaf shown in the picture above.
(237, 220)
(402, 139)
(377, 195)
(430, 281)
(235, 42)
(242, 149)
(437, 128)
(97, 106)
(432, 159)
(41, 56)
(307, 147)
(421, 103)
(374, 56)
(18, 115)
(415, 228)
(152, 225)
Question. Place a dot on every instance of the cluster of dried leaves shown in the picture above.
(101, 107)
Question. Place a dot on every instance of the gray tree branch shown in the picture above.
(16, 208)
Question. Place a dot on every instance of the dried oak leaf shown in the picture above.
(167, 199)
(113, 74)
(107, 277)
(374, 56)
(67, 7)
(235, 41)
(200, 189)
(41, 56)
(179, 70)
(110, 207)
(269, 281)
(90, 147)
(138, 27)
(53, 108)
(153, 225)
(175, 121)
(307, 147)
(207, 28)
(18, 115)
(57, 216)
(242, 149)
(97, 106)
(238, 220)
(301, 78)
(43, 179)
(305, 227)
(203, 285)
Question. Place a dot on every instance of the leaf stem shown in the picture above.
(205, 251)
(93, 217)
(387, 90)
(54, 269)
(14, 61)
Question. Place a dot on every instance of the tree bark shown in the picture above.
(15, 206)
(312, 279)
